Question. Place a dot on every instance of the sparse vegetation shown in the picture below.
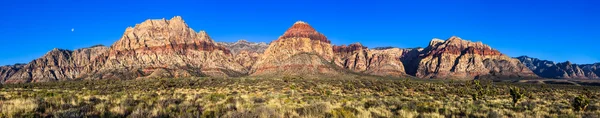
(294, 97)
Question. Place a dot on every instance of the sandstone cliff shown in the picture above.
(457, 58)
(165, 48)
(300, 50)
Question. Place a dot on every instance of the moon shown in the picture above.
(72, 29)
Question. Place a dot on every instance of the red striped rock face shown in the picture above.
(302, 29)
(171, 48)
(300, 49)
(348, 49)
(461, 59)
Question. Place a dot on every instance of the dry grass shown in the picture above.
(291, 97)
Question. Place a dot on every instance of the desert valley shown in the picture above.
(164, 68)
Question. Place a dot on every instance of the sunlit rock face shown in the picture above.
(462, 59)
(360, 59)
(300, 50)
(56, 65)
(165, 48)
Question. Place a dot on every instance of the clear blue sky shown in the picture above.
(553, 30)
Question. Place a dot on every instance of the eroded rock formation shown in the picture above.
(359, 59)
(166, 48)
(300, 50)
(57, 65)
(246, 53)
(460, 59)
(564, 70)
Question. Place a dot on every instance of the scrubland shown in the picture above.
(297, 97)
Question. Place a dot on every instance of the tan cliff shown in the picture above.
(165, 48)
(300, 50)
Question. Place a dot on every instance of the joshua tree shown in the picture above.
(516, 94)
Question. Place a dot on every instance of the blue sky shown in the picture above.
(553, 30)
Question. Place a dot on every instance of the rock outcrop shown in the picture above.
(246, 53)
(564, 70)
(461, 59)
(8, 71)
(359, 59)
(166, 48)
(57, 65)
(300, 50)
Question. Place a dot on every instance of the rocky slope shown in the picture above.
(8, 71)
(359, 59)
(246, 53)
(457, 58)
(300, 50)
(564, 70)
(165, 48)
(57, 65)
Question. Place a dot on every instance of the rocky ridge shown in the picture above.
(462, 59)
(564, 70)
(166, 48)
(246, 53)
(359, 59)
(170, 48)
(57, 65)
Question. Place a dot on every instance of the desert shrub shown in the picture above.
(18, 107)
(216, 97)
(372, 103)
(580, 103)
(313, 110)
(344, 112)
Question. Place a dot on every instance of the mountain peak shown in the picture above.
(300, 22)
(301, 29)
(454, 38)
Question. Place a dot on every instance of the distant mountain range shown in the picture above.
(170, 48)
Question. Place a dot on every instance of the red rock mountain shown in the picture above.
(170, 48)
(457, 58)
(165, 48)
(300, 50)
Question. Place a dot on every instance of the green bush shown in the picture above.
(580, 103)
